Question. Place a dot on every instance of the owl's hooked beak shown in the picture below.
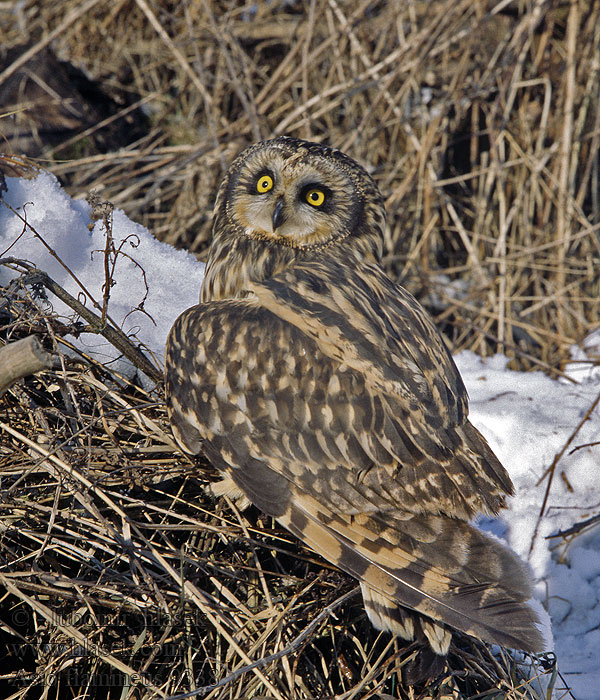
(278, 216)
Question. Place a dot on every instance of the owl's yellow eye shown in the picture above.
(315, 197)
(264, 184)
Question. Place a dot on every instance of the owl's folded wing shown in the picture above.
(307, 390)
(290, 408)
(446, 570)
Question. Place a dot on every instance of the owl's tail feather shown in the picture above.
(443, 568)
(385, 614)
(433, 640)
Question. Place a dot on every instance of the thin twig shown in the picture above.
(113, 335)
(261, 663)
(551, 470)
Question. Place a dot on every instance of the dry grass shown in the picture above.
(481, 123)
(479, 120)
(123, 579)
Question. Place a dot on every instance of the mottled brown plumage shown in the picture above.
(323, 393)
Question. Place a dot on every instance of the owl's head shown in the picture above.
(301, 195)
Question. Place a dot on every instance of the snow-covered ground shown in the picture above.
(527, 417)
(173, 277)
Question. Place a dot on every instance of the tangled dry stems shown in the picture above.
(120, 572)
(480, 122)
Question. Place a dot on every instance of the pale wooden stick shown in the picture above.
(20, 359)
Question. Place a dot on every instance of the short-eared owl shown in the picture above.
(323, 393)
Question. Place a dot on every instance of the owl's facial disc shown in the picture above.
(288, 201)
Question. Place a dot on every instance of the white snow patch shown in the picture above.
(528, 418)
(585, 365)
(173, 276)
